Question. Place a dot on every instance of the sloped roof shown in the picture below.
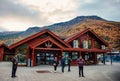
(4, 45)
(69, 39)
(36, 35)
(45, 40)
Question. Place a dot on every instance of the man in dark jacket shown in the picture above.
(69, 63)
(14, 61)
(63, 64)
(81, 63)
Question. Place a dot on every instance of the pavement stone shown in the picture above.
(98, 72)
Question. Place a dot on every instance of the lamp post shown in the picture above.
(111, 54)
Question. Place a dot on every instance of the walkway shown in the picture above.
(92, 73)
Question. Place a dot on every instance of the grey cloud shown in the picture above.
(108, 9)
(12, 8)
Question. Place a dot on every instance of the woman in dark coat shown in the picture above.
(55, 64)
(14, 61)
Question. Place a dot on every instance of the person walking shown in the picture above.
(55, 64)
(69, 63)
(80, 61)
(14, 61)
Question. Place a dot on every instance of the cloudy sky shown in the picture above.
(18, 15)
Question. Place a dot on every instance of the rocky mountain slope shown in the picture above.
(108, 30)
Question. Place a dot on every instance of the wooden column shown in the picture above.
(60, 55)
(79, 54)
(70, 54)
(1, 53)
(103, 58)
(33, 61)
(95, 58)
(16, 51)
(28, 58)
(93, 44)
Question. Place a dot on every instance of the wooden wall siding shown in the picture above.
(1, 53)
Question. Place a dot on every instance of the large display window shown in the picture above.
(74, 55)
(45, 58)
(22, 54)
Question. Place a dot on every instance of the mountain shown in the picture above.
(62, 27)
(108, 30)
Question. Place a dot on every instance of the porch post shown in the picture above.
(70, 54)
(60, 57)
(28, 59)
(33, 61)
(15, 52)
(1, 54)
(80, 54)
(104, 58)
(95, 58)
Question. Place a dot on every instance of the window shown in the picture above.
(22, 51)
(65, 54)
(85, 44)
(102, 46)
(21, 59)
(86, 57)
(97, 45)
(75, 44)
(89, 44)
(74, 55)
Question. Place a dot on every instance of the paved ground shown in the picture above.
(92, 73)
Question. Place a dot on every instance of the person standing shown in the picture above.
(80, 61)
(55, 64)
(69, 63)
(63, 63)
(14, 61)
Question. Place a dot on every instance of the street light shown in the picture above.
(111, 54)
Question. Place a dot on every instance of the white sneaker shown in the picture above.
(54, 71)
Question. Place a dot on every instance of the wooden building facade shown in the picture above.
(3, 49)
(42, 47)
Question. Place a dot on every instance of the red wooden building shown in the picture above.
(88, 44)
(3, 49)
(42, 47)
